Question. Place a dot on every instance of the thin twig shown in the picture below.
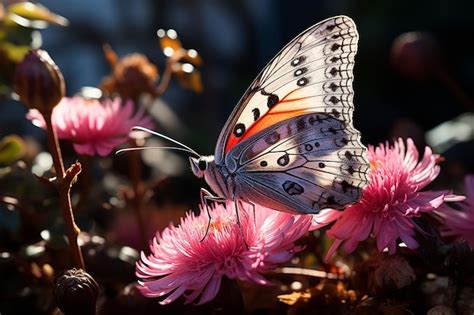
(63, 182)
(166, 77)
(311, 273)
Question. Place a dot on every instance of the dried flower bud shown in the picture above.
(132, 76)
(76, 292)
(391, 272)
(38, 81)
(416, 55)
(441, 310)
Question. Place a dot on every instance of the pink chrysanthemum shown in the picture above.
(390, 201)
(461, 222)
(182, 264)
(94, 127)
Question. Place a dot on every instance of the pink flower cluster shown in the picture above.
(94, 127)
(182, 264)
(390, 201)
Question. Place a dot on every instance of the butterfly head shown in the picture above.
(200, 165)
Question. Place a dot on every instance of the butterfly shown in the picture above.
(290, 144)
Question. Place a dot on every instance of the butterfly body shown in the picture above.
(290, 144)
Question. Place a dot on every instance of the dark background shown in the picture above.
(237, 38)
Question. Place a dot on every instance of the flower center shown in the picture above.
(220, 224)
(89, 102)
(375, 164)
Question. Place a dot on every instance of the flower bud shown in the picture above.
(38, 81)
(416, 55)
(76, 292)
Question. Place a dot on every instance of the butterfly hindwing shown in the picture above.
(313, 73)
(302, 165)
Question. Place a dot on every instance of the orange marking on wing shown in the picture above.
(270, 118)
(285, 99)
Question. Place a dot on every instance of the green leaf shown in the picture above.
(14, 53)
(12, 148)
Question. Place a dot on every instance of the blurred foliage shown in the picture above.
(19, 23)
(12, 148)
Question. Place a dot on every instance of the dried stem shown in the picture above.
(138, 191)
(165, 79)
(63, 182)
(310, 273)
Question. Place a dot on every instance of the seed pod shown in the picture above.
(76, 292)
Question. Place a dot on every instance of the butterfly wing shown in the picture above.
(313, 73)
(302, 165)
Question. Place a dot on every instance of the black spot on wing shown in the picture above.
(283, 160)
(272, 100)
(292, 188)
(256, 114)
(239, 130)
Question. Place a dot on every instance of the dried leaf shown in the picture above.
(193, 57)
(110, 55)
(189, 77)
(293, 298)
(169, 42)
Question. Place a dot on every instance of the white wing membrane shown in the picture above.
(313, 73)
(316, 163)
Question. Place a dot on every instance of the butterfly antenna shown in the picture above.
(155, 148)
(166, 138)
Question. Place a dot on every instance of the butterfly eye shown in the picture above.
(202, 165)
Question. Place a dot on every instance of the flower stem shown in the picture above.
(53, 143)
(63, 183)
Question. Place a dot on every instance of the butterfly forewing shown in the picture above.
(290, 144)
(302, 165)
(313, 73)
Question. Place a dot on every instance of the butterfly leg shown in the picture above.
(254, 217)
(205, 197)
(238, 222)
